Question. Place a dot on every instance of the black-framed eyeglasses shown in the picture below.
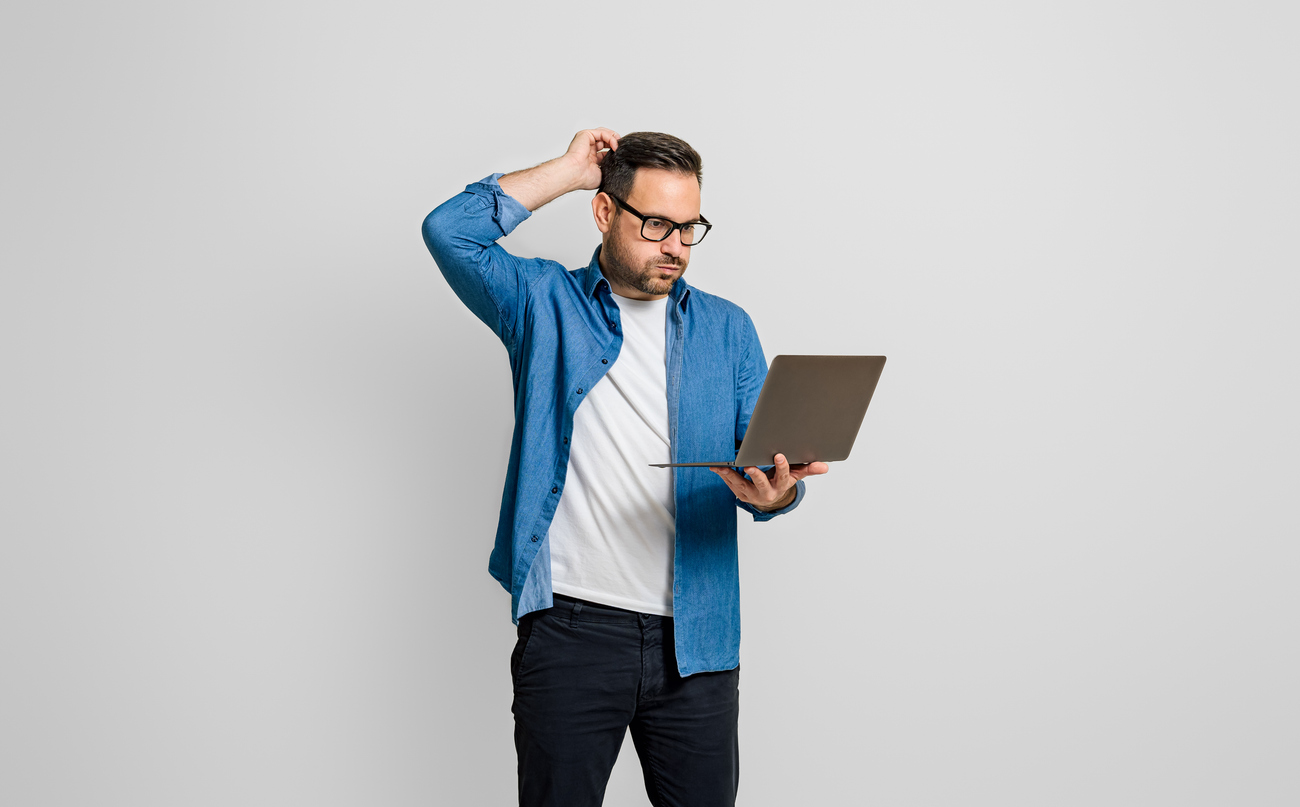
(658, 228)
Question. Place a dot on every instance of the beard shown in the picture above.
(618, 267)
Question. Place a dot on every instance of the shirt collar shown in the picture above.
(592, 278)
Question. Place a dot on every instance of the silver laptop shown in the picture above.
(810, 410)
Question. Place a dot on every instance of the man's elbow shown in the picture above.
(436, 232)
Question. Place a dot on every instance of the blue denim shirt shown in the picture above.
(562, 331)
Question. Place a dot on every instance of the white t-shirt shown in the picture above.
(613, 534)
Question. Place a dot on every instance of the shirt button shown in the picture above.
(534, 537)
(555, 490)
(579, 390)
(566, 441)
(604, 361)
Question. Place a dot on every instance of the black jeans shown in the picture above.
(583, 673)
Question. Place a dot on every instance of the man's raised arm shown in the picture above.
(578, 169)
(462, 232)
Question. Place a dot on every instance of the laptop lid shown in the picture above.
(810, 409)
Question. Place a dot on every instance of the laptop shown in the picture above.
(810, 410)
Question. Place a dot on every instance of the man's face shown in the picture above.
(634, 266)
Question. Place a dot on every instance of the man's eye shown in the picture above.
(656, 224)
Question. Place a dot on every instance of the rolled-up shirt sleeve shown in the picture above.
(461, 234)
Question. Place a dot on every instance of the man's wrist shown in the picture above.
(572, 173)
(780, 504)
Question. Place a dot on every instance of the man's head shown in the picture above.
(657, 175)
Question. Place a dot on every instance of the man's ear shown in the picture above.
(603, 209)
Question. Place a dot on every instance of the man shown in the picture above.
(623, 578)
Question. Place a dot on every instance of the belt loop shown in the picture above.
(573, 617)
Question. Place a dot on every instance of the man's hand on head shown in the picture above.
(772, 490)
(587, 152)
(575, 170)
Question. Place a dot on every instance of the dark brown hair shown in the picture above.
(647, 150)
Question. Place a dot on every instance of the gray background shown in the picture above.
(251, 446)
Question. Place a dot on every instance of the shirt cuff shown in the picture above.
(768, 515)
(509, 212)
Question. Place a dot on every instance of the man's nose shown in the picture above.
(672, 245)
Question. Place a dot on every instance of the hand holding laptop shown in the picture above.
(810, 408)
(767, 491)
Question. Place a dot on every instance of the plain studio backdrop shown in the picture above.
(252, 446)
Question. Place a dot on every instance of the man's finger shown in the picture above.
(759, 480)
(604, 138)
(798, 472)
(744, 488)
(734, 482)
(781, 479)
(725, 474)
(591, 141)
(739, 485)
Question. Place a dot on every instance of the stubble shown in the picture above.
(618, 267)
